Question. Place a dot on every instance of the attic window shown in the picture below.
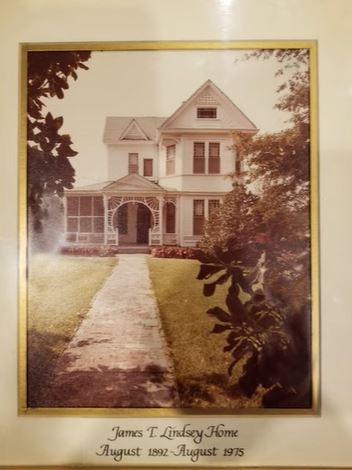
(207, 113)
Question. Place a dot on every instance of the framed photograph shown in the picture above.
(164, 301)
(168, 228)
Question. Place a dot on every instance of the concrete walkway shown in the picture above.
(118, 356)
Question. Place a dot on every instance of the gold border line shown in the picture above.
(314, 198)
(168, 46)
(161, 467)
(22, 237)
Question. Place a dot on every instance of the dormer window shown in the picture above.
(207, 113)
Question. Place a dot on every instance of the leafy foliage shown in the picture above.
(48, 151)
(259, 240)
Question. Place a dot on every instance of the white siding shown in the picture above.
(184, 178)
(118, 159)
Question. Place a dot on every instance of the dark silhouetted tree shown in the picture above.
(48, 151)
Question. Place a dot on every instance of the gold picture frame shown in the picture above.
(179, 46)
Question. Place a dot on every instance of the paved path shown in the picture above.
(118, 356)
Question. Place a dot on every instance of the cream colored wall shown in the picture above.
(196, 183)
(118, 159)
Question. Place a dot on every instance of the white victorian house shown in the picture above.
(166, 175)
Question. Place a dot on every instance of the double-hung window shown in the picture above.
(209, 152)
(199, 157)
(170, 159)
(214, 158)
(148, 167)
(132, 163)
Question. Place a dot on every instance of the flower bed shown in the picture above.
(173, 252)
(81, 250)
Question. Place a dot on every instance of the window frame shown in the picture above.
(214, 160)
(198, 220)
(170, 160)
(200, 109)
(131, 165)
(199, 159)
(151, 160)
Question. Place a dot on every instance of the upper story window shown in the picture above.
(203, 152)
(199, 157)
(132, 163)
(148, 167)
(207, 112)
(214, 158)
(170, 159)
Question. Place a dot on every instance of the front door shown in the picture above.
(143, 224)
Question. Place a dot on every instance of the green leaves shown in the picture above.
(49, 170)
(260, 241)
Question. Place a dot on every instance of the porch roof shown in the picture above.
(129, 184)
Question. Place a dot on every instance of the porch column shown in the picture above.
(161, 222)
(106, 220)
(178, 221)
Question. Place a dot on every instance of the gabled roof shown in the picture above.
(133, 183)
(116, 127)
(133, 132)
(129, 184)
(215, 94)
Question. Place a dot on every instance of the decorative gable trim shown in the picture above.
(207, 100)
(203, 94)
(133, 132)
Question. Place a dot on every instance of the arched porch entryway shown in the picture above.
(133, 221)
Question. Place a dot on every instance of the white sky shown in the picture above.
(155, 83)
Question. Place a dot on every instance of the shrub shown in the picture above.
(173, 252)
(89, 250)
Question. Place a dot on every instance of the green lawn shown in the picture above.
(200, 363)
(60, 292)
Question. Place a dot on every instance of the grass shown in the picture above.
(199, 361)
(60, 292)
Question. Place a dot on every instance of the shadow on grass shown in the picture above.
(42, 353)
(213, 391)
(52, 383)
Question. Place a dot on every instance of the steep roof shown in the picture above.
(244, 123)
(116, 127)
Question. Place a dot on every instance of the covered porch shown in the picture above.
(129, 212)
